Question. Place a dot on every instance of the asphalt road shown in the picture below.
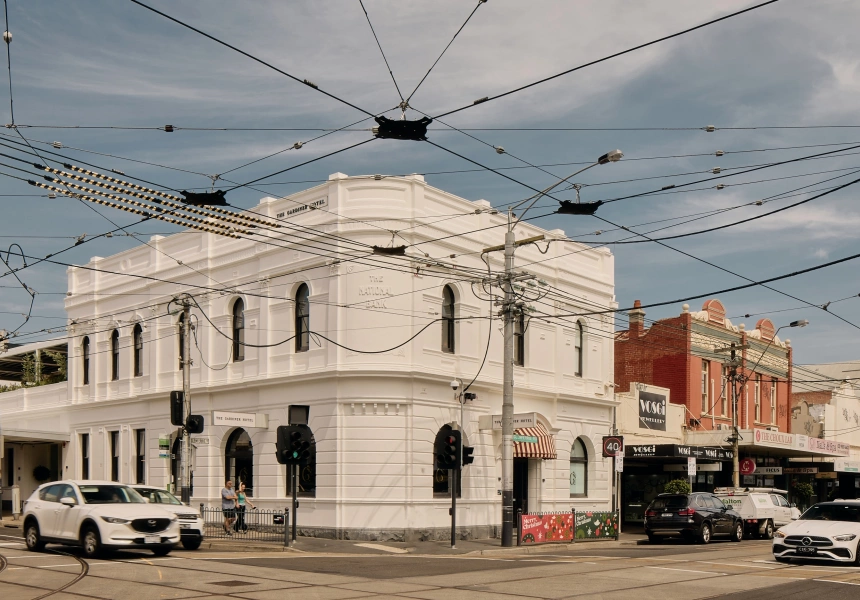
(601, 570)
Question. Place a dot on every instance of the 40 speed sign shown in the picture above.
(613, 445)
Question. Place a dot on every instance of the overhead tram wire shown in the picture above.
(469, 18)
(604, 59)
(381, 51)
(254, 58)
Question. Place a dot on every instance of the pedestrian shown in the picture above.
(241, 502)
(228, 506)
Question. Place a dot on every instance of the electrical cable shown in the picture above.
(254, 58)
(375, 37)
(605, 58)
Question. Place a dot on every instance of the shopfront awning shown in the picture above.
(534, 442)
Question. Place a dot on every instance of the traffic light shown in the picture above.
(194, 424)
(447, 450)
(468, 459)
(177, 408)
(293, 445)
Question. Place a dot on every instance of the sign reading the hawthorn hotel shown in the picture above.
(652, 411)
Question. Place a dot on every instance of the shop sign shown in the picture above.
(704, 452)
(828, 446)
(700, 467)
(773, 438)
(846, 466)
(769, 470)
(800, 470)
(234, 419)
(828, 475)
(648, 450)
(652, 411)
(747, 466)
(677, 451)
(163, 446)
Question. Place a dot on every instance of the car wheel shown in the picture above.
(91, 541)
(857, 555)
(32, 537)
(768, 531)
(738, 535)
(781, 559)
(654, 539)
(705, 533)
(162, 551)
(194, 543)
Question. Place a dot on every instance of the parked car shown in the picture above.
(763, 509)
(698, 515)
(190, 520)
(97, 515)
(826, 531)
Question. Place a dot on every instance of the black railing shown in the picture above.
(252, 524)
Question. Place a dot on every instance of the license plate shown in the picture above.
(807, 550)
(666, 515)
(185, 526)
(152, 539)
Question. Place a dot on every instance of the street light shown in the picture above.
(508, 311)
(736, 479)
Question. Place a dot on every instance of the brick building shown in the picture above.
(680, 353)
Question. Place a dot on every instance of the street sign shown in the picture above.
(528, 439)
(613, 445)
(691, 466)
(619, 463)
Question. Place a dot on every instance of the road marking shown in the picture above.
(708, 562)
(11, 544)
(832, 581)
(687, 570)
(383, 548)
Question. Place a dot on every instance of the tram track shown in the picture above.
(85, 569)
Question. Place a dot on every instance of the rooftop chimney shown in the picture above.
(637, 319)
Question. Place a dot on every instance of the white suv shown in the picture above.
(190, 521)
(97, 515)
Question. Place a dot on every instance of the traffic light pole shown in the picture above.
(294, 476)
(454, 477)
(185, 452)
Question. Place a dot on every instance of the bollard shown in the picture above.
(286, 528)
(16, 502)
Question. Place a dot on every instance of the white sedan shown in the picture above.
(97, 515)
(827, 531)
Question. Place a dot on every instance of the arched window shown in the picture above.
(238, 331)
(577, 348)
(520, 340)
(85, 353)
(181, 354)
(307, 475)
(303, 318)
(578, 470)
(447, 319)
(441, 477)
(114, 355)
(239, 459)
(138, 350)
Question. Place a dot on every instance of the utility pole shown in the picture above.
(508, 393)
(736, 475)
(185, 451)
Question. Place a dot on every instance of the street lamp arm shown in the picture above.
(542, 193)
(800, 323)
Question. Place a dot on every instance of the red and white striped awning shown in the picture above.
(544, 448)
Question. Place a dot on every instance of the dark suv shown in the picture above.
(693, 516)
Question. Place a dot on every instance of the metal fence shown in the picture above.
(252, 524)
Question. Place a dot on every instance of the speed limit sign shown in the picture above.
(613, 445)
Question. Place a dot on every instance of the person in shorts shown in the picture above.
(228, 506)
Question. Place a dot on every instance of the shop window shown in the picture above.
(181, 354)
(520, 340)
(114, 455)
(442, 477)
(773, 401)
(706, 388)
(578, 470)
(114, 355)
(303, 318)
(10, 467)
(238, 331)
(85, 455)
(239, 459)
(578, 344)
(138, 350)
(724, 394)
(140, 455)
(447, 319)
(85, 353)
(757, 398)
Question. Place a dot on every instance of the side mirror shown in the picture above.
(66, 501)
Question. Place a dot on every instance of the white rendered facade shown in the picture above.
(374, 416)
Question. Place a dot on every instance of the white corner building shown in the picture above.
(374, 415)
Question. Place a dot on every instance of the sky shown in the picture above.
(769, 81)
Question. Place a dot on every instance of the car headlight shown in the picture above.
(116, 520)
(778, 534)
(844, 538)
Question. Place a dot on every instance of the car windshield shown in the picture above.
(832, 512)
(156, 496)
(669, 502)
(110, 494)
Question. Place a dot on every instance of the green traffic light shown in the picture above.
(295, 454)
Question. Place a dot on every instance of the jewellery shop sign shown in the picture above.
(677, 451)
